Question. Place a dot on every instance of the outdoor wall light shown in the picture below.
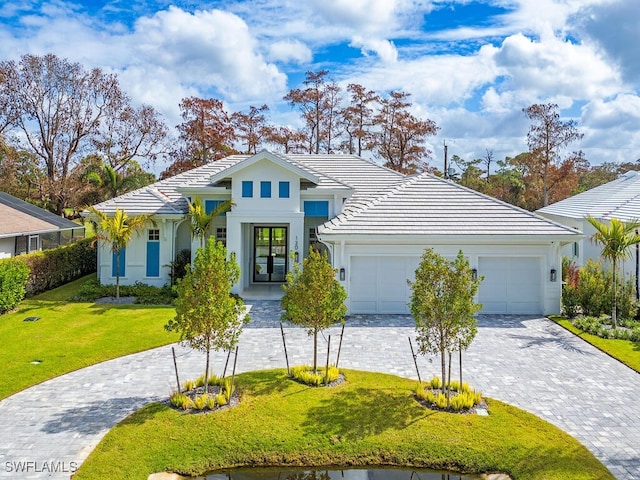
(343, 274)
(553, 276)
(474, 274)
(296, 257)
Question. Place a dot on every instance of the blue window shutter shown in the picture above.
(265, 189)
(153, 259)
(316, 208)
(283, 189)
(211, 205)
(247, 188)
(123, 263)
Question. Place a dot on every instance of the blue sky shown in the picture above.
(471, 66)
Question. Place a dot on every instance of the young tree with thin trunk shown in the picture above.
(616, 238)
(313, 298)
(442, 304)
(208, 316)
(117, 231)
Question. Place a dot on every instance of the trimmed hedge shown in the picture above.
(14, 274)
(57, 266)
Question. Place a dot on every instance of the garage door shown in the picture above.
(510, 285)
(379, 284)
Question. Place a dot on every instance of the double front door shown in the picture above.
(270, 254)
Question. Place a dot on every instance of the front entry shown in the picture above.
(270, 254)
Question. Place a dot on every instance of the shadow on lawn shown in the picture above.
(355, 414)
(99, 416)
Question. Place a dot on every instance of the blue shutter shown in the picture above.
(153, 259)
(283, 189)
(265, 189)
(123, 263)
(247, 188)
(316, 208)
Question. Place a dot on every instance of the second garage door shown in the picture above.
(510, 285)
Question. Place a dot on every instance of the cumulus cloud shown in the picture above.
(621, 112)
(289, 51)
(552, 67)
(613, 25)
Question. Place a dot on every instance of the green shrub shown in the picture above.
(228, 389)
(200, 401)
(435, 383)
(179, 265)
(454, 385)
(178, 400)
(306, 375)
(441, 400)
(57, 266)
(188, 385)
(221, 400)
(211, 402)
(14, 274)
(144, 294)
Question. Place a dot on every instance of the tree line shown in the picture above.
(70, 137)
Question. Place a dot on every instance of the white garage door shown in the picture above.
(379, 284)
(510, 285)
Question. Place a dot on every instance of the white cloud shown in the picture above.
(289, 51)
(622, 112)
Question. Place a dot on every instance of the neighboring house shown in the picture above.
(374, 222)
(25, 228)
(619, 199)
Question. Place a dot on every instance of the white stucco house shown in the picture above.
(374, 222)
(619, 199)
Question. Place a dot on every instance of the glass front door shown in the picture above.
(270, 254)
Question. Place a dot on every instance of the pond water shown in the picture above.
(334, 474)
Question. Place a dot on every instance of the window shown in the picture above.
(33, 243)
(576, 249)
(221, 235)
(247, 189)
(154, 235)
(265, 189)
(211, 205)
(315, 208)
(283, 189)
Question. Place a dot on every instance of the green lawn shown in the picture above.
(70, 336)
(372, 419)
(623, 350)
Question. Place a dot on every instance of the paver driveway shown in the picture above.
(526, 361)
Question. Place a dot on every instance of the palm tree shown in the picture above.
(117, 232)
(616, 238)
(200, 221)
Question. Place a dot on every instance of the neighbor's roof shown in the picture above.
(18, 218)
(429, 205)
(619, 199)
(336, 172)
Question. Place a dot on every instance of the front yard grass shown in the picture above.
(69, 336)
(371, 419)
(625, 351)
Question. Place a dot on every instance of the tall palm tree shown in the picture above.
(616, 238)
(200, 221)
(117, 231)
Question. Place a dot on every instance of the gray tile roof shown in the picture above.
(428, 205)
(342, 172)
(619, 199)
(18, 217)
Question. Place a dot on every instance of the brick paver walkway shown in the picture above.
(525, 361)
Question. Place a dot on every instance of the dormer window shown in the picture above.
(284, 189)
(265, 189)
(247, 189)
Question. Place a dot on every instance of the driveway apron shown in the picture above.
(48, 430)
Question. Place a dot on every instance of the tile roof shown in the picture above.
(619, 199)
(343, 172)
(428, 205)
(18, 217)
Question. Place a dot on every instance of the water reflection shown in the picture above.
(349, 474)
